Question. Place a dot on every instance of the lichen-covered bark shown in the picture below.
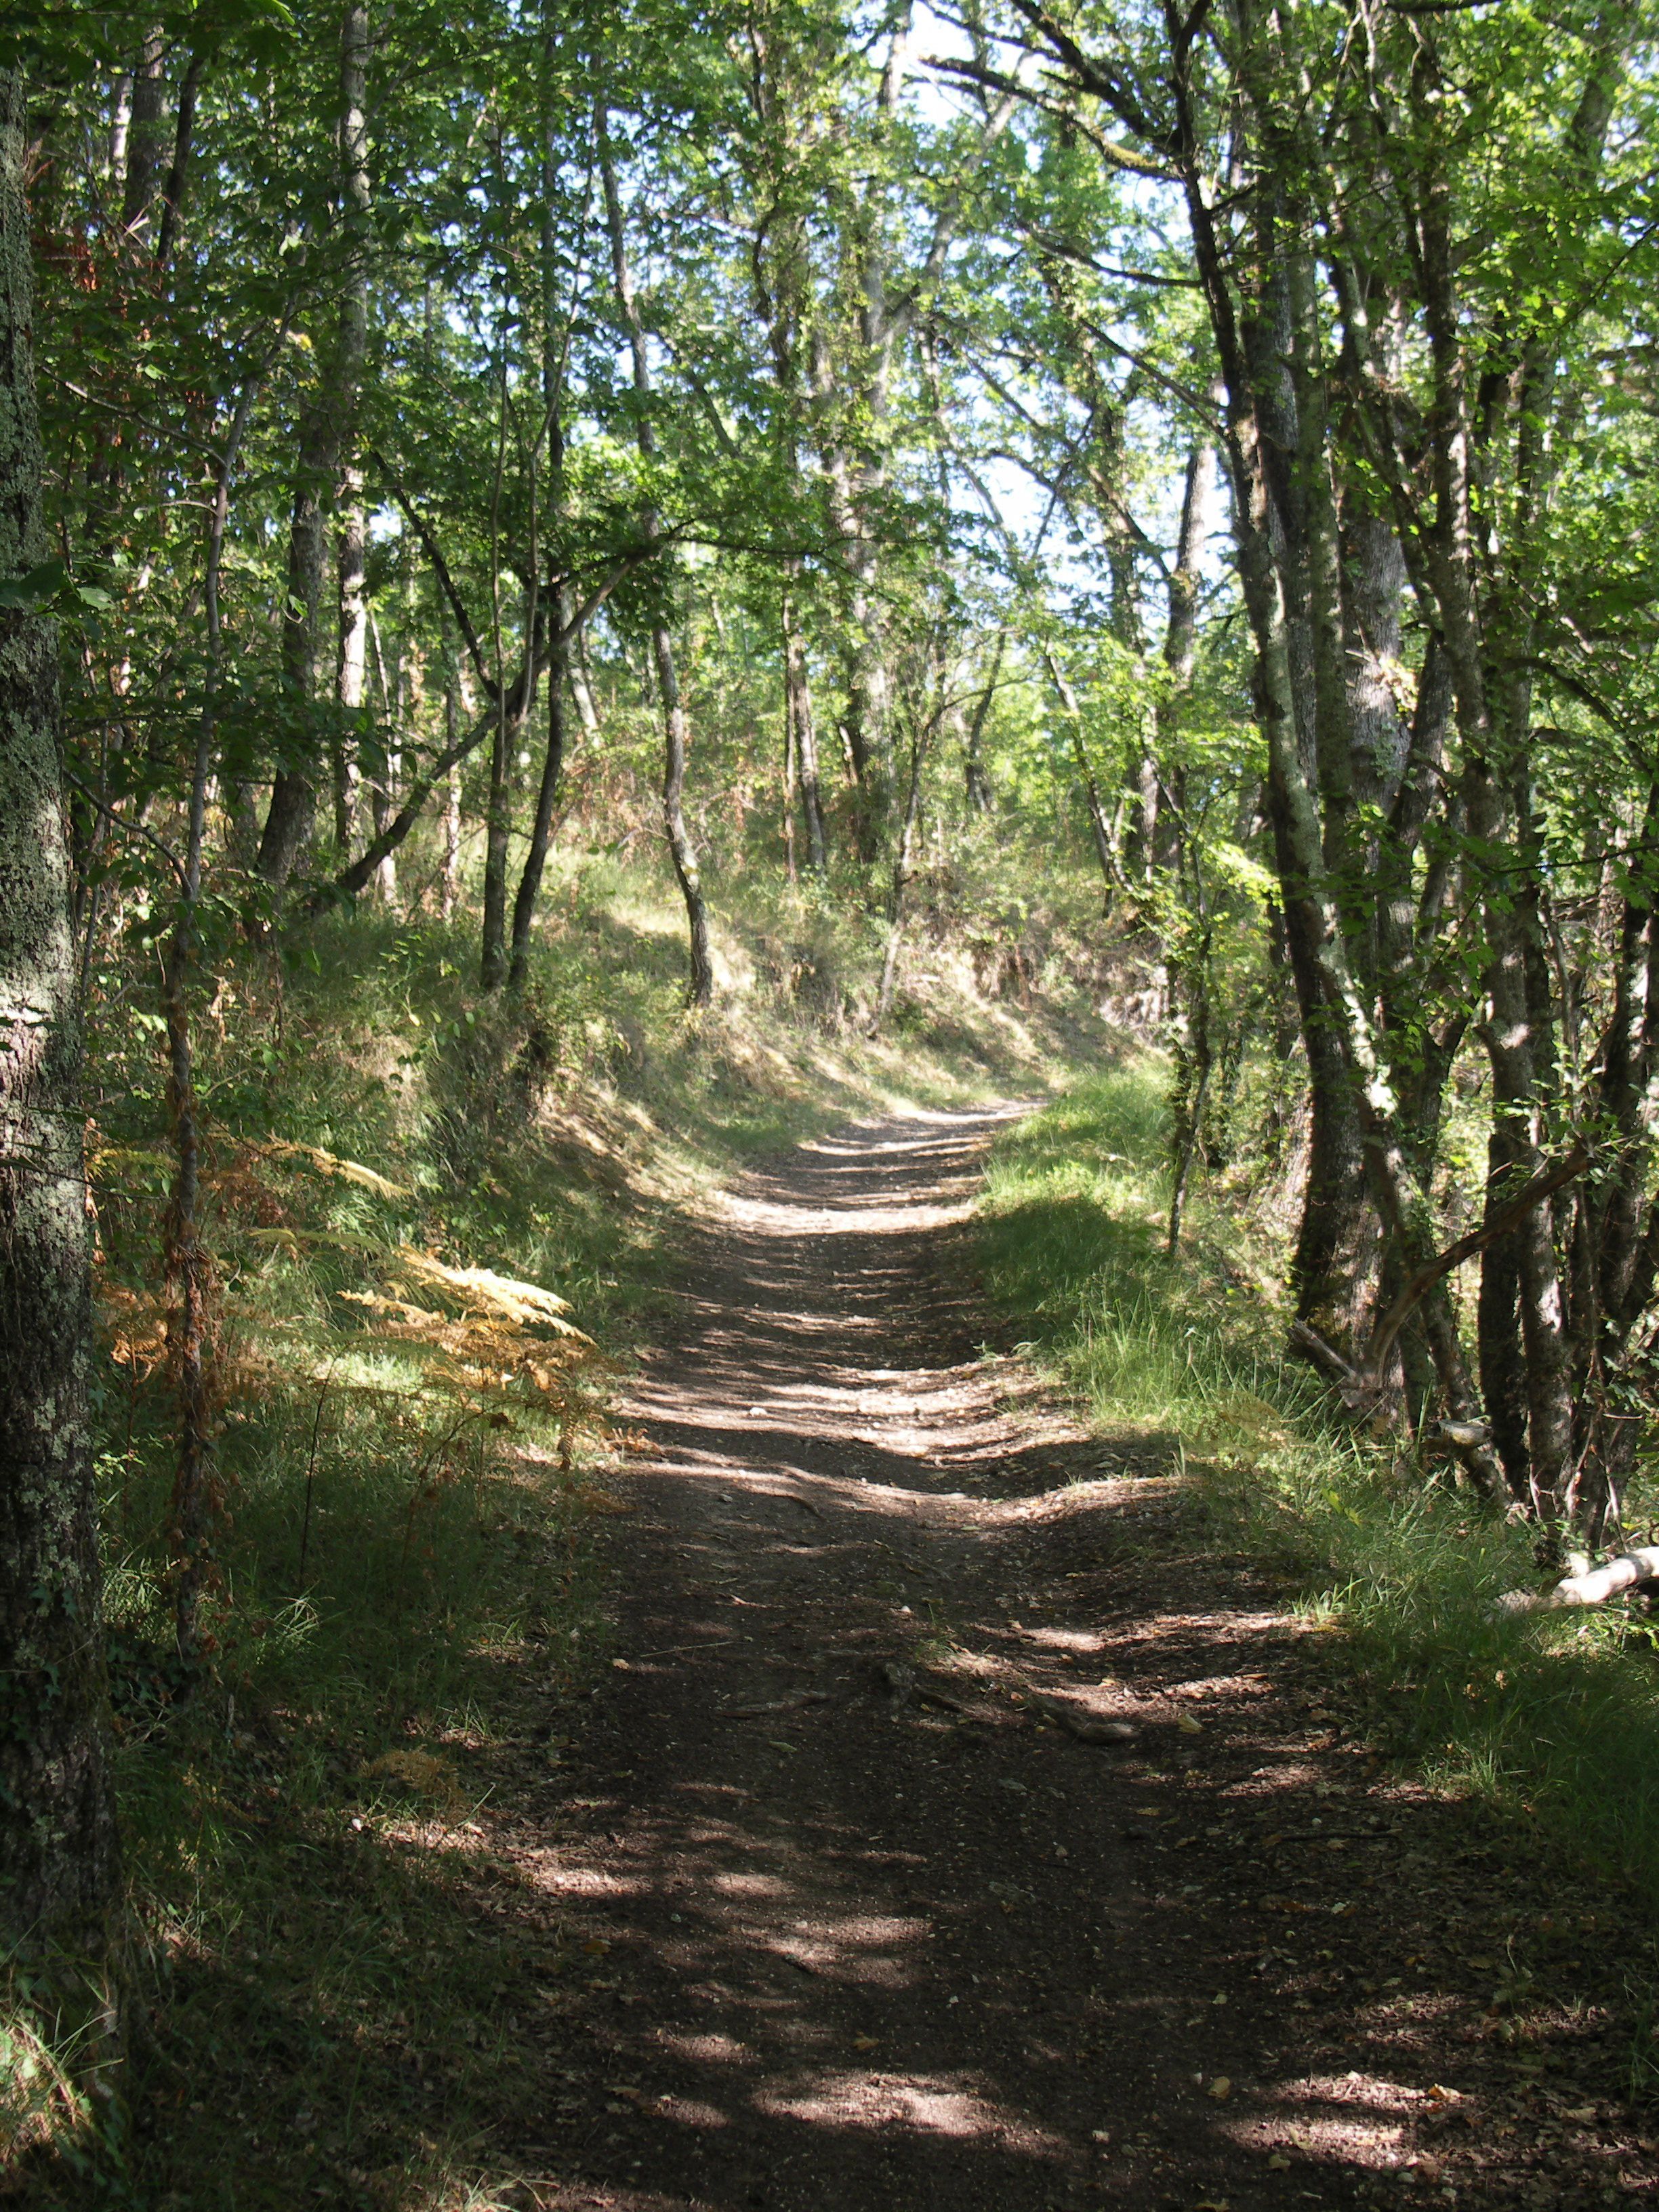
(58, 1868)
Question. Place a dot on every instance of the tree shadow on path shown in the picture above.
(867, 1930)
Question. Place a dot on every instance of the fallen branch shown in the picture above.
(1593, 1587)
(1082, 1727)
(776, 1706)
(1358, 1388)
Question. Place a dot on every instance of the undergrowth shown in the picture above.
(1552, 1720)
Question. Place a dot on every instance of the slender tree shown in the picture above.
(681, 852)
(59, 1867)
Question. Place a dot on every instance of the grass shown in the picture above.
(1554, 1720)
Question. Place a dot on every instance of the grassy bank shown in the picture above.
(438, 1226)
(1553, 1720)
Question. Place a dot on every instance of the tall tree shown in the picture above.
(325, 430)
(681, 852)
(59, 1868)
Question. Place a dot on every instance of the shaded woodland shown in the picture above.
(1126, 509)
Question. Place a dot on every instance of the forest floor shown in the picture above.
(823, 1908)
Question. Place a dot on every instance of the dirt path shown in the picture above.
(849, 1942)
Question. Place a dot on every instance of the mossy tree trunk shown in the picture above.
(59, 1873)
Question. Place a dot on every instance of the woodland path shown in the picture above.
(847, 1949)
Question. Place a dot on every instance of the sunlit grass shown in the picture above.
(1553, 1719)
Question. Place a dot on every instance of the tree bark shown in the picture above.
(976, 785)
(143, 136)
(541, 829)
(803, 732)
(700, 986)
(904, 867)
(352, 664)
(172, 197)
(1334, 1012)
(61, 1890)
(451, 893)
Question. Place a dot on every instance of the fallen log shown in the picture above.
(1594, 1586)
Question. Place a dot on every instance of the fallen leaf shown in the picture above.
(1582, 2113)
(1188, 1725)
(596, 1947)
(1279, 2163)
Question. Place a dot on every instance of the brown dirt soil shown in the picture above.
(847, 1936)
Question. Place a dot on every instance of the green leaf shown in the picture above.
(36, 588)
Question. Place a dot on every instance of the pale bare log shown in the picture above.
(1593, 1587)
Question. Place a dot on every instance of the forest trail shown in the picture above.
(847, 1943)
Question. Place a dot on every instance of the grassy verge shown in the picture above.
(1555, 1720)
(414, 1195)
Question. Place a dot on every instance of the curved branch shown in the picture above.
(1543, 1185)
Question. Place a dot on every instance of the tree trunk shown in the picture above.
(541, 829)
(1180, 648)
(173, 199)
(120, 125)
(797, 709)
(61, 1890)
(904, 865)
(975, 782)
(555, 345)
(451, 893)
(352, 657)
(1105, 847)
(791, 780)
(1334, 1013)
(144, 135)
(498, 825)
(700, 984)
(322, 439)
(582, 689)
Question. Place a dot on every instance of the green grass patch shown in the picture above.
(1555, 1719)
